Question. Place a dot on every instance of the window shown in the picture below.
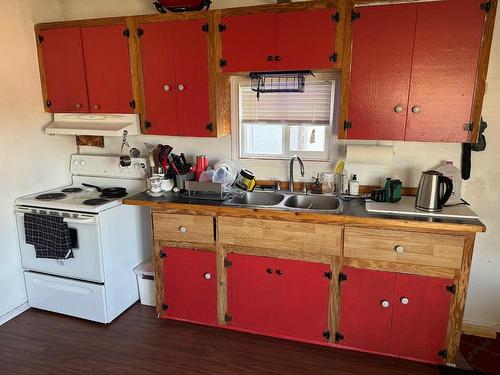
(280, 125)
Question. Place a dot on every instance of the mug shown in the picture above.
(155, 184)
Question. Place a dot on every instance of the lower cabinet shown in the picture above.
(387, 312)
(190, 285)
(278, 297)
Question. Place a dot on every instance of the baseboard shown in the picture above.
(475, 329)
(13, 313)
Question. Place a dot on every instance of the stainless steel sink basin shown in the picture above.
(288, 201)
(257, 199)
(311, 202)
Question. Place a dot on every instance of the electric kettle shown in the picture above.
(430, 195)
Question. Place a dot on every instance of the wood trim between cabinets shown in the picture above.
(461, 281)
(158, 270)
(484, 58)
(346, 68)
(134, 50)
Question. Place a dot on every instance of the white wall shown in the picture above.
(32, 160)
(483, 304)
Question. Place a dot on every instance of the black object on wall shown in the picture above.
(467, 149)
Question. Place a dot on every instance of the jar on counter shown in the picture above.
(327, 183)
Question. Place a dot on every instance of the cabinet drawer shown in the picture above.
(280, 235)
(183, 228)
(427, 249)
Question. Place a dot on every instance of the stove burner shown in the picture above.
(51, 196)
(95, 201)
(72, 190)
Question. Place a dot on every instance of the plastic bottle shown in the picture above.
(452, 172)
(354, 186)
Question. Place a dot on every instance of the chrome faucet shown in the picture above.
(302, 170)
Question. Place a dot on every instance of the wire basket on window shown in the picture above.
(279, 81)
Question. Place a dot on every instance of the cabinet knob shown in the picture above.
(207, 275)
(385, 304)
(166, 88)
(399, 249)
(404, 301)
(78, 106)
(180, 87)
(277, 58)
(269, 270)
(182, 229)
(279, 272)
(398, 109)
(96, 106)
(416, 109)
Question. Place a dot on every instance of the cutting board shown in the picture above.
(406, 206)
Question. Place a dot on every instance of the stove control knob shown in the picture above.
(137, 166)
(83, 163)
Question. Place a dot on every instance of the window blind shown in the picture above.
(313, 106)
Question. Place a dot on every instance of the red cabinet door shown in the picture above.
(249, 42)
(305, 40)
(251, 293)
(191, 73)
(157, 52)
(420, 317)
(382, 51)
(447, 42)
(301, 299)
(64, 70)
(105, 49)
(190, 285)
(366, 309)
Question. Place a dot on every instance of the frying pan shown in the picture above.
(113, 192)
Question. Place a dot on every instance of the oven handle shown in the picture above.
(62, 287)
(79, 221)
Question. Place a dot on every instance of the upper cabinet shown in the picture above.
(279, 41)
(413, 70)
(105, 50)
(64, 70)
(86, 69)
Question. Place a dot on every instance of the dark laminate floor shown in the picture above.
(39, 342)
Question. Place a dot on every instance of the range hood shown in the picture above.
(109, 125)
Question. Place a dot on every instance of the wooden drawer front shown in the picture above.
(280, 235)
(416, 248)
(183, 228)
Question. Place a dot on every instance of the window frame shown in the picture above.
(319, 157)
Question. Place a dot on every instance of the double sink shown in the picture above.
(288, 201)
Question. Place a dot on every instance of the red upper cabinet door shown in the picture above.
(382, 51)
(251, 293)
(191, 73)
(366, 309)
(190, 285)
(64, 70)
(249, 42)
(157, 52)
(301, 299)
(105, 49)
(305, 40)
(447, 42)
(420, 317)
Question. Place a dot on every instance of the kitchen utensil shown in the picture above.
(430, 195)
(112, 192)
(134, 152)
(245, 180)
(201, 166)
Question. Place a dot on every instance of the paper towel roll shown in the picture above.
(377, 155)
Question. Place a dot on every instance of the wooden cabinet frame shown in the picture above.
(219, 89)
(466, 232)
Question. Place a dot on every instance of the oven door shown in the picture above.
(87, 263)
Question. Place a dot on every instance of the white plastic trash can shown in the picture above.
(146, 282)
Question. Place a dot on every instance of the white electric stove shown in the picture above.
(108, 239)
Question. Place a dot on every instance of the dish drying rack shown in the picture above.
(279, 81)
(207, 191)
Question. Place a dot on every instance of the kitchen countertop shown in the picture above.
(353, 213)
